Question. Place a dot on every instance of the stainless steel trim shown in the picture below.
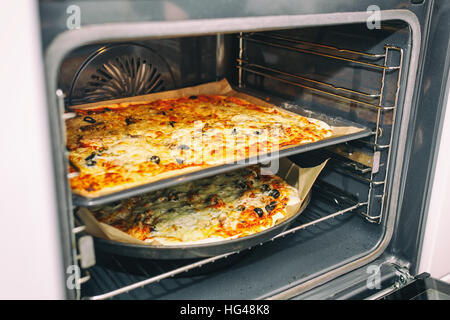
(404, 278)
(383, 292)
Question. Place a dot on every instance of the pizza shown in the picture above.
(115, 147)
(226, 206)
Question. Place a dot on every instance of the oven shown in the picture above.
(378, 65)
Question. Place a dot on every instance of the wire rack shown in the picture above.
(370, 168)
(325, 197)
(374, 170)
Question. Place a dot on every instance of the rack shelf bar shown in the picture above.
(306, 225)
(371, 105)
(253, 65)
(291, 48)
(159, 277)
(318, 45)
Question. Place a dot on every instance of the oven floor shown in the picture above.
(251, 274)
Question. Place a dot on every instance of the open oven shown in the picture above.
(368, 63)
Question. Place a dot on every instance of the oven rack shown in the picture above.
(388, 63)
(325, 196)
(288, 77)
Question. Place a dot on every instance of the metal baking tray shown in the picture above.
(198, 250)
(207, 172)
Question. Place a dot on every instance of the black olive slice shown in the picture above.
(155, 159)
(274, 193)
(259, 212)
(271, 206)
(90, 157)
(89, 119)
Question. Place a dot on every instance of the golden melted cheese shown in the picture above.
(141, 143)
(225, 206)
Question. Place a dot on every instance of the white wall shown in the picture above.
(435, 257)
(30, 265)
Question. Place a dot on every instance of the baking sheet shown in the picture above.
(121, 243)
(342, 131)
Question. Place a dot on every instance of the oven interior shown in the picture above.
(342, 71)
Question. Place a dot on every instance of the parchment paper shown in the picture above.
(300, 178)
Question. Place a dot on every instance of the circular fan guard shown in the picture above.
(120, 71)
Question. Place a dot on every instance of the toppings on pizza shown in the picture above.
(206, 210)
(138, 143)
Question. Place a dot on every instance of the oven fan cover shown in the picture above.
(119, 71)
